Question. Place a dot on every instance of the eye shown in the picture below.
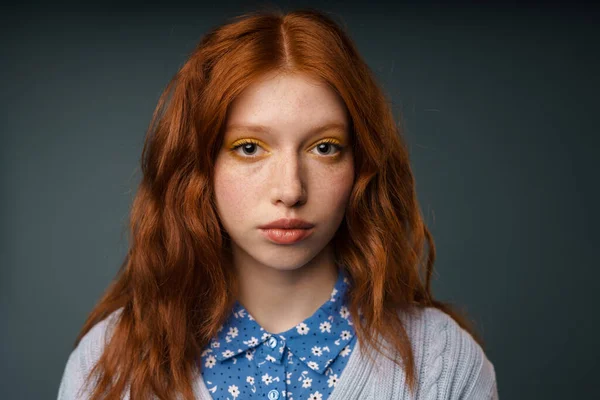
(249, 148)
(327, 145)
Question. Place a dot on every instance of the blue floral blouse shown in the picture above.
(244, 361)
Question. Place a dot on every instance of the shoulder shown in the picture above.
(91, 346)
(448, 359)
(83, 358)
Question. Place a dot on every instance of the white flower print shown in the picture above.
(210, 361)
(241, 313)
(215, 344)
(313, 365)
(345, 351)
(333, 293)
(234, 391)
(306, 383)
(249, 354)
(252, 342)
(265, 336)
(346, 335)
(288, 377)
(333, 379)
(315, 396)
(267, 379)
(233, 332)
(325, 327)
(270, 358)
(316, 350)
(344, 313)
(302, 328)
(250, 380)
(205, 352)
(303, 376)
(227, 353)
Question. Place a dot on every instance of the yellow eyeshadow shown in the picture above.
(246, 141)
(329, 140)
(256, 141)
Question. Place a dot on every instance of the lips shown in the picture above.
(286, 236)
(287, 231)
(288, 223)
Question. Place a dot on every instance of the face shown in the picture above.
(286, 154)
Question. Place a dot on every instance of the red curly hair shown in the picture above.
(176, 286)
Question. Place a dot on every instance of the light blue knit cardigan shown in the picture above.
(449, 365)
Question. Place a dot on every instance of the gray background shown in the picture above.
(500, 108)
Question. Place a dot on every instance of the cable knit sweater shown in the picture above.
(449, 365)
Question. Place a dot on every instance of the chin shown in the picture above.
(284, 258)
(285, 261)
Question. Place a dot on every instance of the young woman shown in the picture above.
(277, 246)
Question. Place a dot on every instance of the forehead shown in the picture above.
(284, 101)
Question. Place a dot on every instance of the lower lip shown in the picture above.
(286, 236)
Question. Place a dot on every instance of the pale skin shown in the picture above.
(287, 173)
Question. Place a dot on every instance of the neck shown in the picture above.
(280, 299)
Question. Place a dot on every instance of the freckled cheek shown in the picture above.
(236, 195)
(335, 190)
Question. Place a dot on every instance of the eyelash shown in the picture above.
(251, 141)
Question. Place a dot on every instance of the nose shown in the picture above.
(288, 182)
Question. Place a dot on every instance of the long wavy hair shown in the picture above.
(176, 285)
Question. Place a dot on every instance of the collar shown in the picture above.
(327, 332)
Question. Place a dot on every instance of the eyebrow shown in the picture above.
(266, 130)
